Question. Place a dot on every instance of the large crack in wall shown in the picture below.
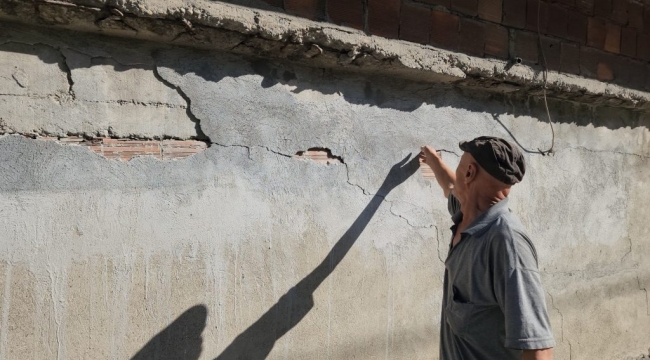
(238, 224)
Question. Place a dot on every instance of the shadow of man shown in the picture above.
(180, 340)
(257, 341)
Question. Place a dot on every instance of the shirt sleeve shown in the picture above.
(519, 292)
(453, 205)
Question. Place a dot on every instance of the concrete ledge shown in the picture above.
(241, 30)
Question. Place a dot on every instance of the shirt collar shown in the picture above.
(480, 224)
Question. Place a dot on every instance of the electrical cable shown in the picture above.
(545, 76)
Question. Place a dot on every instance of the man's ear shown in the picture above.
(470, 173)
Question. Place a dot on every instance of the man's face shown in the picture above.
(461, 186)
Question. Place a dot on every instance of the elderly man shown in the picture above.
(493, 303)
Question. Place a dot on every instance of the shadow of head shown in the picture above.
(180, 340)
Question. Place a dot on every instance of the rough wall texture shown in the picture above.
(247, 251)
(604, 39)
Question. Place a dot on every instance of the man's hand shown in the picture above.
(544, 354)
(444, 175)
(428, 155)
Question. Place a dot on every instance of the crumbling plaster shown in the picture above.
(247, 31)
(98, 257)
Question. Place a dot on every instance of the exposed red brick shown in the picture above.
(551, 53)
(472, 37)
(537, 10)
(570, 58)
(276, 3)
(445, 30)
(605, 72)
(310, 9)
(628, 42)
(445, 3)
(594, 63)
(635, 15)
(126, 149)
(319, 155)
(526, 46)
(630, 73)
(496, 41)
(596, 33)
(490, 10)
(415, 23)
(514, 13)
(576, 27)
(559, 17)
(620, 11)
(643, 47)
(383, 18)
(603, 8)
(468, 7)
(346, 12)
(613, 38)
(585, 6)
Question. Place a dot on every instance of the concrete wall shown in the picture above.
(245, 251)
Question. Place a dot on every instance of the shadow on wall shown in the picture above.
(182, 339)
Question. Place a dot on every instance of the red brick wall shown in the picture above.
(604, 39)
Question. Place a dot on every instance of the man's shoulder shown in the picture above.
(509, 238)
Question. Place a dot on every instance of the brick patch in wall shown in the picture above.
(514, 13)
(613, 38)
(383, 17)
(497, 41)
(526, 46)
(127, 149)
(603, 8)
(643, 47)
(445, 30)
(620, 10)
(319, 155)
(596, 33)
(635, 15)
(445, 3)
(537, 13)
(490, 10)
(310, 9)
(552, 53)
(628, 42)
(472, 37)
(426, 172)
(346, 12)
(467, 7)
(559, 20)
(577, 24)
(570, 58)
(415, 23)
(585, 6)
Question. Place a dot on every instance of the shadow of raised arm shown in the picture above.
(256, 342)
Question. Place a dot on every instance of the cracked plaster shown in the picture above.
(117, 250)
(222, 26)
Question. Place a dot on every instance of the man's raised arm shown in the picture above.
(444, 174)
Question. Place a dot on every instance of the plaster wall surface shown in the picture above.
(243, 250)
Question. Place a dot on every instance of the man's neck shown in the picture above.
(477, 205)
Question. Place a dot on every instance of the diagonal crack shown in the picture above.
(561, 316)
(647, 300)
(200, 135)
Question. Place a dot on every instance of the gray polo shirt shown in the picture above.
(493, 301)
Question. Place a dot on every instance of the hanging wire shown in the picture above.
(545, 77)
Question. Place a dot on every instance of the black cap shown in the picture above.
(498, 157)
